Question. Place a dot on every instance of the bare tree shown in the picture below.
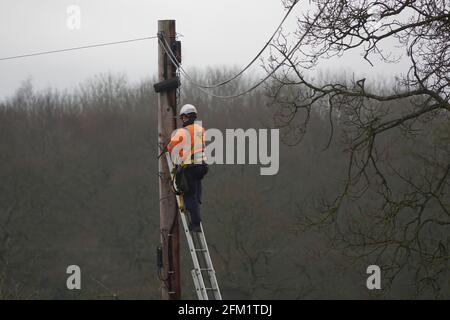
(393, 206)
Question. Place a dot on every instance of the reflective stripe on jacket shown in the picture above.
(193, 134)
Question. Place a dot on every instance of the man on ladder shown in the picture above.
(187, 148)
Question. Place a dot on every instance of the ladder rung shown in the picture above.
(211, 289)
(204, 250)
(208, 269)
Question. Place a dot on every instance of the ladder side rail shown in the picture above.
(197, 286)
(212, 272)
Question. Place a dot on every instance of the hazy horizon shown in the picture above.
(204, 26)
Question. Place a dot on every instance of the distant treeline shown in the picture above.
(79, 186)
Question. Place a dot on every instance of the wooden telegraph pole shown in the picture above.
(170, 236)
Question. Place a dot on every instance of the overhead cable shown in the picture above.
(76, 48)
(255, 58)
(172, 57)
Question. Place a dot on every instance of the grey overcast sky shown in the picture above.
(216, 33)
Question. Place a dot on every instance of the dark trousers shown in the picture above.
(193, 198)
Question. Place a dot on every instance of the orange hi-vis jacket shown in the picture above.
(189, 143)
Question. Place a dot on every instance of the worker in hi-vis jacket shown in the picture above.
(187, 148)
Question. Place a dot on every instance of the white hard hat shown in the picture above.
(188, 108)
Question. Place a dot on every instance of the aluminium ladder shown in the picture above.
(206, 290)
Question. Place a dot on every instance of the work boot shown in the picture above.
(194, 228)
